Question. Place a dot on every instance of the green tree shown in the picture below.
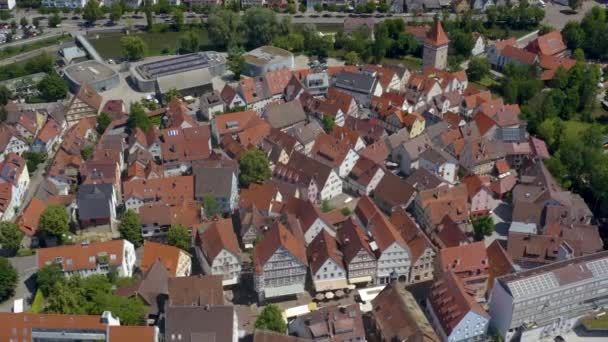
(133, 48)
(148, 11)
(346, 211)
(92, 12)
(223, 26)
(10, 236)
(236, 62)
(462, 42)
(103, 121)
(87, 152)
(179, 236)
(138, 118)
(24, 22)
(47, 277)
(329, 123)
(55, 20)
(65, 299)
(482, 226)
(130, 228)
(259, 26)
(54, 220)
(8, 279)
(5, 95)
(115, 12)
(211, 206)
(171, 94)
(352, 58)
(318, 8)
(178, 19)
(574, 35)
(575, 4)
(271, 319)
(479, 67)
(52, 87)
(254, 166)
(189, 42)
(130, 310)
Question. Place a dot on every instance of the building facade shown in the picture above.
(549, 300)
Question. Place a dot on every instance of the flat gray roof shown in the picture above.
(89, 72)
(266, 54)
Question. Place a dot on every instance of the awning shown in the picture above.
(280, 291)
(328, 285)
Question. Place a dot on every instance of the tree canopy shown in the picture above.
(54, 220)
(52, 87)
(211, 206)
(478, 68)
(271, 319)
(130, 227)
(255, 167)
(133, 48)
(8, 279)
(482, 226)
(179, 236)
(10, 236)
(92, 12)
(138, 118)
(47, 277)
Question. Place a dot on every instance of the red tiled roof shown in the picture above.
(437, 36)
(80, 257)
(550, 44)
(519, 55)
(28, 221)
(321, 248)
(170, 190)
(278, 236)
(168, 255)
(216, 236)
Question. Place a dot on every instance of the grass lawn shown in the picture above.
(593, 323)
(159, 43)
(497, 32)
(410, 62)
(13, 51)
(487, 83)
(327, 28)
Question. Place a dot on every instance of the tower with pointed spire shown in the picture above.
(435, 53)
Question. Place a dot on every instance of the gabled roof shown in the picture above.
(285, 114)
(550, 44)
(167, 255)
(394, 191)
(519, 55)
(88, 95)
(399, 317)
(330, 150)
(450, 289)
(28, 220)
(216, 236)
(150, 288)
(322, 248)
(353, 239)
(196, 290)
(464, 258)
(170, 190)
(278, 237)
(415, 238)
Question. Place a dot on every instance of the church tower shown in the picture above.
(435, 53)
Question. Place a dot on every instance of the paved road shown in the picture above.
(26, 267)
(557, 15)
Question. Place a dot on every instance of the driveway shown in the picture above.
(26, 285)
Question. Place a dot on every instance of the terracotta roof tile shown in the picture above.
(28, 221)
(168, 255)
(322, 248)
(216, 236)
(80, 257)
(437, 36)
(276, 237)
(170, 190)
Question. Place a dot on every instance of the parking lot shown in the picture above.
(558, 15)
